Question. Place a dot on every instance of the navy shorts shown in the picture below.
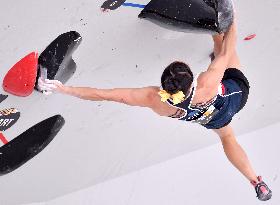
(241, 80)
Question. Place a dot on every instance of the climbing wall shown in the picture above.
(101, 140)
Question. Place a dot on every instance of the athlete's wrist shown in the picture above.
(65, 90)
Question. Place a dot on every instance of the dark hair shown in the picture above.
(177, 77)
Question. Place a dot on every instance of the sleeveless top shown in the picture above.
(214, 113)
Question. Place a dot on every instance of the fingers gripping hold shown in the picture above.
(48, 86)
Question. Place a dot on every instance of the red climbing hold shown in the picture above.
(20, 79)
(250, 37)
(3, 139)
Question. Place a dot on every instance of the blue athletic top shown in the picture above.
(215, 113)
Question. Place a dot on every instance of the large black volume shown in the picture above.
(29, 144)
(207, 16)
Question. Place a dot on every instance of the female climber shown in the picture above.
(211, 99)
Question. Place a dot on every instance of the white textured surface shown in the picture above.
(101, 141)
(201, 177)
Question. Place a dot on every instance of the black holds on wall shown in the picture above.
(57, 57)
(207, 16)
(8, 117)
(112, 4)
(28, 144)
(3, 97)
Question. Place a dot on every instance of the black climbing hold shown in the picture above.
(3, 97)
(207, 16)
(112, 4)
(29, 144)
(8, 117)
(57, 57)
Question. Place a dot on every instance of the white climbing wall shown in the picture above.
(102, 141)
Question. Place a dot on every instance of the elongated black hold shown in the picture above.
(8, 117)
(3, 97)
(28, 144)
(206, 16)
(112, 4)
(57, 60)
(65, 76)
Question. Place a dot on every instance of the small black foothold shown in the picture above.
(112, 4)
(3, 97)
